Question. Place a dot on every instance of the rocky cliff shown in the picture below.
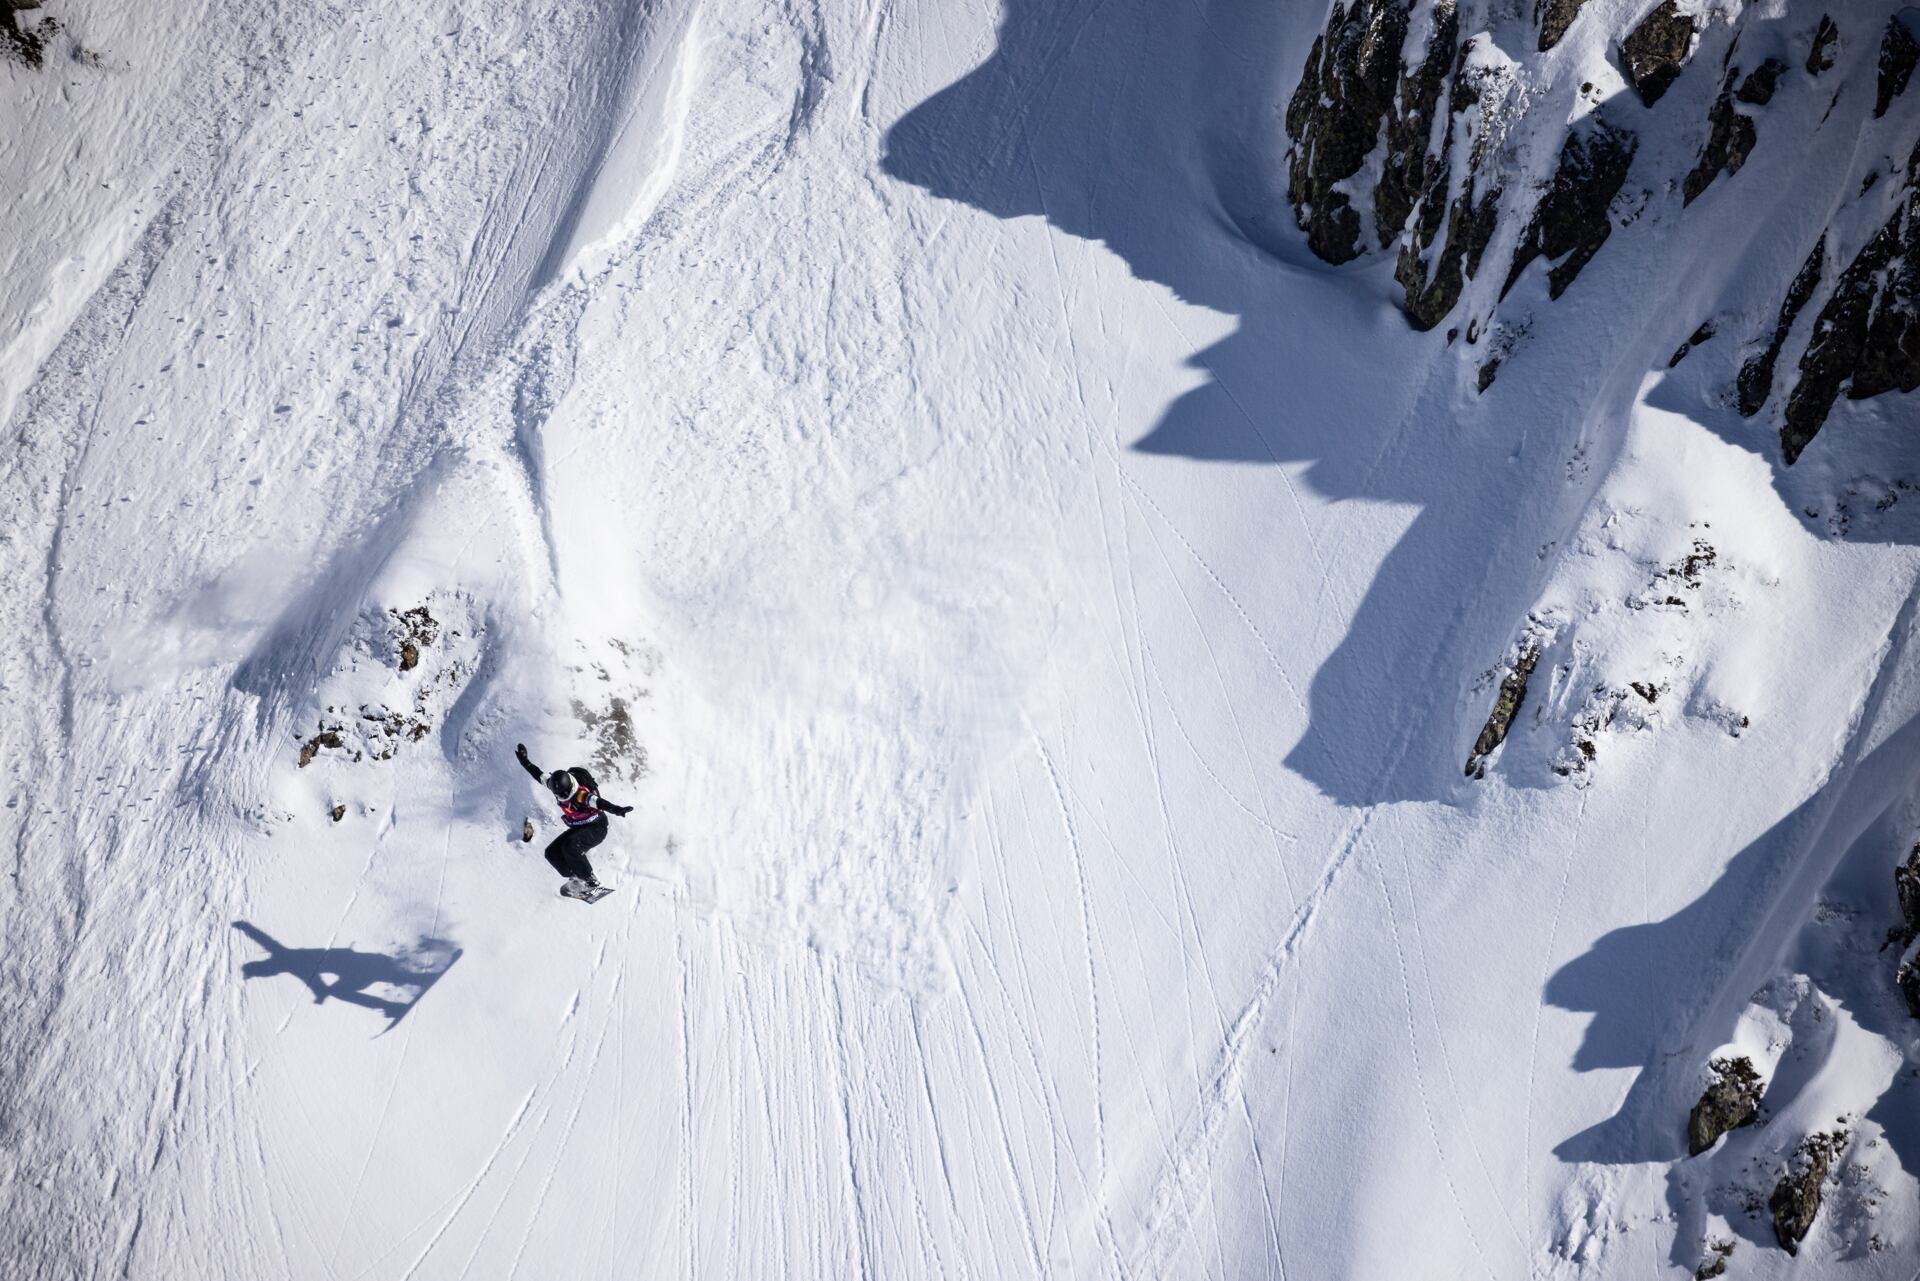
(1447, 135)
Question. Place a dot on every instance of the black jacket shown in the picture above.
(586, 802)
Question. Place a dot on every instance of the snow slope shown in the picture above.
(1040, 628)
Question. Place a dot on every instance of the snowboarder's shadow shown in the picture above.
(389, 985)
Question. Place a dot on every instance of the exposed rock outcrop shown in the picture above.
(414, 628)
(1756, 376)
(1730, 131)
(1335, 118)
(1731, 1100)
(1730, 139)
(1555, 17)
(1409, 121)
(1796, 1198)
(1906, 891)
(1907, 979)
(1867, 336)
(1698, 336)
(1571, 222)
(380, 709)
(328, 736)
(1820, 57)
(1758, 88)
(25, 42)
(1898, 54)
(1715, 1264)
(1656, 51)
(1506, 705)
(1411, 167)
(1434, 280)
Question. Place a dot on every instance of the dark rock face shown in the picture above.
(1730, 139)
(1867, 336)
(26, 44)
(1355, 93)
(1654, 53)
(1410, 169)
(1796, 1199)
(1335, 116)
(1571, 223)
(1700, 335)
(1400, 126)
(1898, 54)
(1907, 979)
(1820, 57)
(1506, 705)
(1555, 17)
(1906, 889)
(1433, 281)
(1730, 1101)
(1756, 376)
(1757, 89)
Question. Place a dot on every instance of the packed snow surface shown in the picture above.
(1040, 629)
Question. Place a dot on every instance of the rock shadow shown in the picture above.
(1155, 130)
(388, 985)
(1645, 1018)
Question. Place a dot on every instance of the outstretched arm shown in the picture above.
(520, 754)
(585, 775)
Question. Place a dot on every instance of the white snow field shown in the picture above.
(1039, 612)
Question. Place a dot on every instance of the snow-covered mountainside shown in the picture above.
(1248, 639)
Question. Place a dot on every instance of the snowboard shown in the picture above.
(575, 890)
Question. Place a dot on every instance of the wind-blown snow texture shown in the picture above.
(1038, 608)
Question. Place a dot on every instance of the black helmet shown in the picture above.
(560, 783)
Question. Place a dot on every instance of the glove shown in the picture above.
(520, 752)
(620, 810)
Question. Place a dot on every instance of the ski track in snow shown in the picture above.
(967, 879)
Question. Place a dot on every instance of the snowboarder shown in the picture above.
(584, 811)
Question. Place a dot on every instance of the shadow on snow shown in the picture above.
(1155, 130)
(389, 985)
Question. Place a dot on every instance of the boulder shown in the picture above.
(1796, 1198)
(1655, 52)
(1506, 705)
(1731, 1100)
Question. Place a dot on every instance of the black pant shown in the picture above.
(568, 853)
